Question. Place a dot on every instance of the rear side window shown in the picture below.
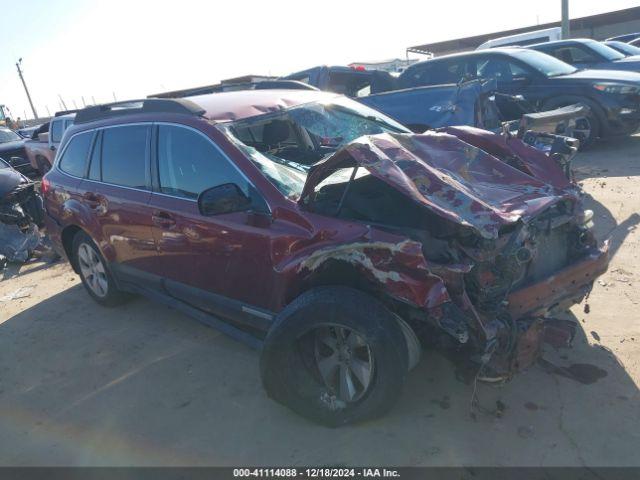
(124, 156)
(56, 131)
(189, 163)
(74, 158)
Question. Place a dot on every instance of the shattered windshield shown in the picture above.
(284, 145)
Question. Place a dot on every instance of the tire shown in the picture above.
(291, 358)
(96, 277)
(591, 121)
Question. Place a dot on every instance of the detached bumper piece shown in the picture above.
(560, 291)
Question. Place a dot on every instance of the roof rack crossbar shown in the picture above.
(131, 107)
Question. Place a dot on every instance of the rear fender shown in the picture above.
(76, 213)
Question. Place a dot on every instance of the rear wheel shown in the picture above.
(94, 272)
(336, 356)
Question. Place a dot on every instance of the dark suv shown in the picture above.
(613, 97)
(326, 234)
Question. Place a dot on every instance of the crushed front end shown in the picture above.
(502, 229)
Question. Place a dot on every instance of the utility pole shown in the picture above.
(565, 19)
(35, 114)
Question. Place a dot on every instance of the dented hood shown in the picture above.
(453, 178)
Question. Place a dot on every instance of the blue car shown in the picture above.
(613, 96)
(591, 54)
(624, 48)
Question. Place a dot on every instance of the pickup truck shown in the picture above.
(41, 148)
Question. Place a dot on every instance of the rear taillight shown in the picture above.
(45, 185)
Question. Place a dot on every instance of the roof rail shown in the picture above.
(283, 84)
(64, 112)
(280, 84)
(131, 107)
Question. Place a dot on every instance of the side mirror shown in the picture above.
(43, 137)
(224, 198)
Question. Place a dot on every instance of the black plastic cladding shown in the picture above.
(131, 107)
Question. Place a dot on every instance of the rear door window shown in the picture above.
(125, 156)
(189, 163)
(56, 131)
(74, 158)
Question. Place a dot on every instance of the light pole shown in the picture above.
(33, 109)
(565, 19)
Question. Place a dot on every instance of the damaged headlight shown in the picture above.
(616, 88)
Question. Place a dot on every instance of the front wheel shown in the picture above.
(336, 356)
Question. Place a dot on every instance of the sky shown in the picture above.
(133, 48)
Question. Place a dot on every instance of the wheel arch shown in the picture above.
(339, 273)
(564, 100)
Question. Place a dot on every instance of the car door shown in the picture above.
(117, 192)
(217, 263)
(512, 78)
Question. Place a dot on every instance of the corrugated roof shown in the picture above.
(470, 43)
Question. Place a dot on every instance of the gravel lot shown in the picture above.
(145, 385)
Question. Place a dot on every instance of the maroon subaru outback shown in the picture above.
(325, 234)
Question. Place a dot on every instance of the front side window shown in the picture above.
(74, 158)
(189, 163)
(502, 69)
(125, 156)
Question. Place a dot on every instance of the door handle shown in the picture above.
(163, 219)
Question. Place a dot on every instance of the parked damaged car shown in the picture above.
(326, 234)
(21, 214)
(446, 100)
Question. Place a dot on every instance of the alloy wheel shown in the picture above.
(344, 361)
(93, 270)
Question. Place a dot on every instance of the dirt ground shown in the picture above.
(145, 385)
